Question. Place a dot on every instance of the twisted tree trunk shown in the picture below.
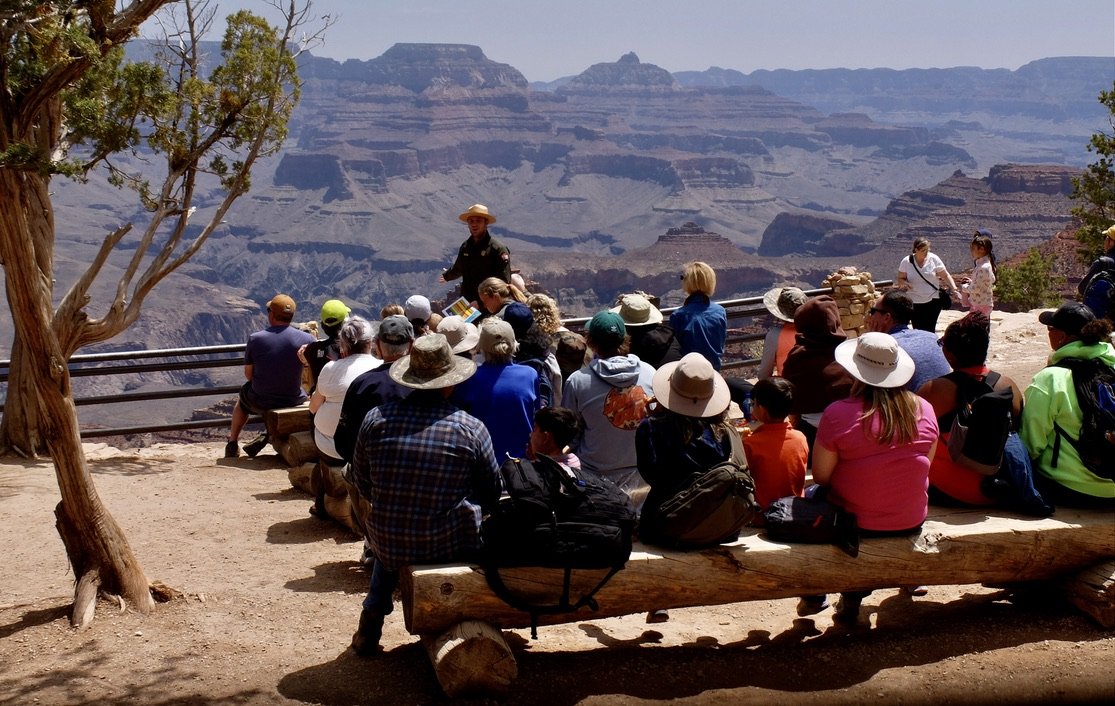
(99, 552)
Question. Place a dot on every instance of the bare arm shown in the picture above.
(945, 278)
(824, 463)
(248, 372)
(316, 401)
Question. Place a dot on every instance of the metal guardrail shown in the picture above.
(209, 357)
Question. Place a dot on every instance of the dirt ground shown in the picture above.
(273, 594)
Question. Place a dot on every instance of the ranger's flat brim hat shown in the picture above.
(477, 209)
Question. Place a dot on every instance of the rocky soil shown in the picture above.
(271, 596)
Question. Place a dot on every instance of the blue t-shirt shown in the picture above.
(929, 361)
(505, 398)
(276, 369)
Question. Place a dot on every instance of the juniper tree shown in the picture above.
(1094, 190)
(72, 106)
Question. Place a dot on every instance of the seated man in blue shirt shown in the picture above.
(891, 314)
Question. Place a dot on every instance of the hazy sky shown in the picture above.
(547, 40)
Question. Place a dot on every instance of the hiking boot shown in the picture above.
(232, 449)
(256, 445)
(365, 641)
(811, 605)
(847, 610)
(658, 616)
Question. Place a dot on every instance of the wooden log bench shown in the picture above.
(290, 431)
(459, 618)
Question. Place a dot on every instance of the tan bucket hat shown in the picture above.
(431, 365)
(636, 310)
(782, 302)
(691, 387)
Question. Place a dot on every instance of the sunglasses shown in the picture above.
(876, 310)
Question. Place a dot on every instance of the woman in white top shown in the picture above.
(332, 385)
(922, 274)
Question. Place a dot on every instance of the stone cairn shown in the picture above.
(854, 293)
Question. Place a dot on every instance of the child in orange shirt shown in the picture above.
(777, 455)
(776, 452)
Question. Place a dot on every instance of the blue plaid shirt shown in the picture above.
(428, 470)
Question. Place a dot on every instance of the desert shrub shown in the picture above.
(1028, 285)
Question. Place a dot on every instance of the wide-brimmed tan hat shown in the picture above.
(431, 365)
(782, 302)
(477, 209)
(636, 310)
(691, 387)
(876, 359)
(462, 335)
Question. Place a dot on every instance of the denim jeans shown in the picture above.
(381, 590)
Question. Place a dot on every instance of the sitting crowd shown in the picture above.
(424, 409)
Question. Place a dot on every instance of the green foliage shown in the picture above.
(1028, 285)
(1094, 190)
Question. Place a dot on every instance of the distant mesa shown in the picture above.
(627, 72)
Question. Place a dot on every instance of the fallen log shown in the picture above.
(1093, 592)
(472, 659)
(956, 546)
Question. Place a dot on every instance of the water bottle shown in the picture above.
(746, 406)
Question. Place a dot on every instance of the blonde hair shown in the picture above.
(496, 287)
(698, 276)
(547, 316)
(896, 407)
(392, 310)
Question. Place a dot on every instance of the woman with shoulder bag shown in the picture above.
(930, 286)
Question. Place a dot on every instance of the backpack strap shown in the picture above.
(496, 583)
(738, 456)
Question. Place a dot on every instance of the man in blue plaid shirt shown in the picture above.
(428, 470)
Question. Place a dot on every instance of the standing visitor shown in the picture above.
(977, 291)
(480, 256)
(922, 275)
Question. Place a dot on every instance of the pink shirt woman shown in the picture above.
(874, 448)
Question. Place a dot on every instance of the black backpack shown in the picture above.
(711, 507)
(981, 424)
(553, 516)
(1093, 380)
(1099, 294)
(545, 386)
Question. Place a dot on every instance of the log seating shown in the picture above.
(291, 433)
(458, 617)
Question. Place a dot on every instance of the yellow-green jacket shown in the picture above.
(1050, 399)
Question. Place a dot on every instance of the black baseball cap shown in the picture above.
(1069, 318)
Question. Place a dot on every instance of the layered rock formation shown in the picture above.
(587, 178)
